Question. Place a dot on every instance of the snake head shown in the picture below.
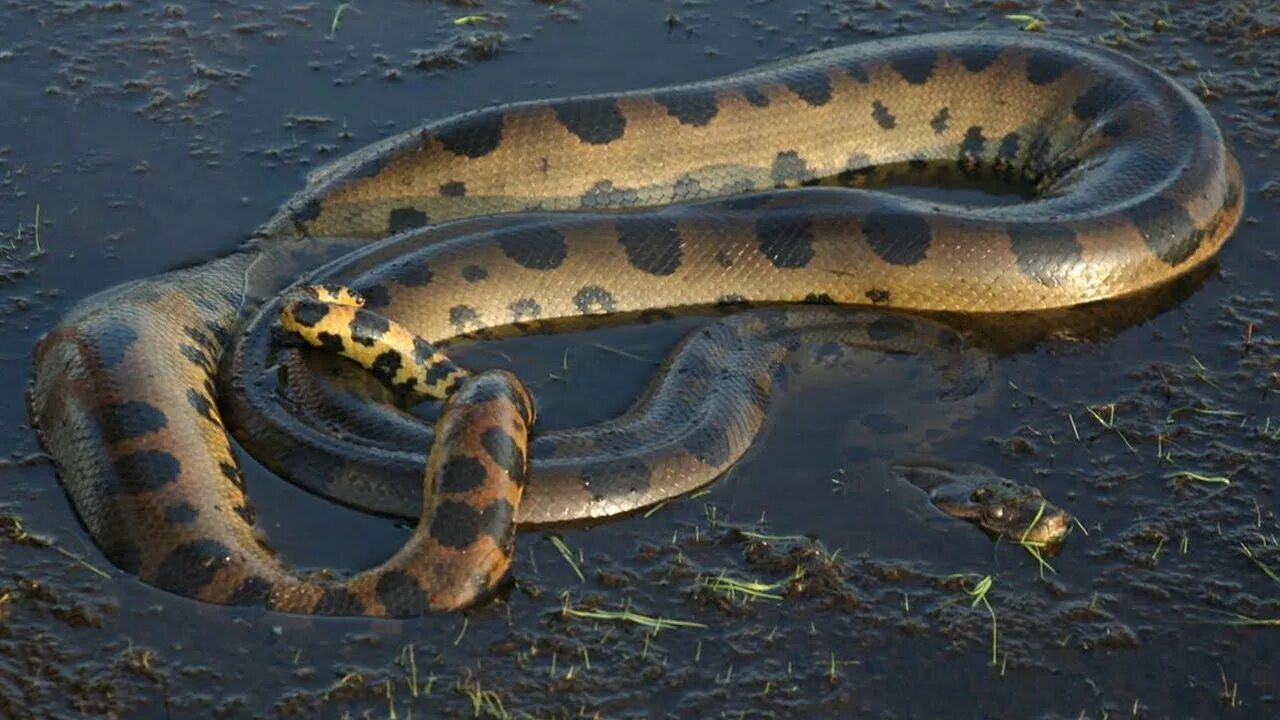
(1000, 505)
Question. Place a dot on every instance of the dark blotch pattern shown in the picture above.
(462, 317)
(754, 96)
(455, 524)
(1103, 96)
(128, 420)
(818, 299)
(1044, 251)
(941, 121)
(190, 567)
(1167, 229)
(652, 246)
(474, 273)
(413, 274)
(308, 313)
(386, 365)
(472, 136)
(812, 87)
(111, 340)
(878, 296)
(786, 238)
(897, 238)
(200, 404)
(232, 474)
(338, 601)
(882, 115)
(438, 372)
(460, 474)
(974, 144)
(1008, 150)
(504, 451)
(789, 168)
(306, 212)
(593, 299)
(376, 296)
(455, 189)
(180, 513)
(368, 327)
(401, 596)
(536, 248)
(1044, 67)
(977, 58)
(405, 218)
(525, 309)
(690, 107)
(146, 470)
(595, 120)
(915, 65)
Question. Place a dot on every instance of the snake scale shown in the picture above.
(691, 195)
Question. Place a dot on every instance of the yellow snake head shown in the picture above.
(1001, 506)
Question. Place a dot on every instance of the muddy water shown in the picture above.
(151, 137)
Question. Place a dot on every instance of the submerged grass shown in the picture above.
(625, 615)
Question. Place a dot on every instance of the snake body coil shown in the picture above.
(1133, 186)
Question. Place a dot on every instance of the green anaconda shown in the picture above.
(682, 196)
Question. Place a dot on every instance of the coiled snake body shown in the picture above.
(1133, 186)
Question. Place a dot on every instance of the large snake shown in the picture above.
(1132, 187)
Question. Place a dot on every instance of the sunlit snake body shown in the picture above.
(1134, 186)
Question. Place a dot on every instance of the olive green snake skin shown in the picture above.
(685, 196)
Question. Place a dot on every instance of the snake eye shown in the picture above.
(997, 512)
(979, 495)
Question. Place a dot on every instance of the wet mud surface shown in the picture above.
(137, 137)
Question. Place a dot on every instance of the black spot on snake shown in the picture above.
(454, 189)
(1103, 96)
(245, 512)
(754, 95)
(232, 474)
(128, 420)
(786, 238)
(196, 356)
(124, 552)
(190, 567)
(386, 365)
(617, 478)
(405, 218)
(594, 120)
(897, 238)
(422, 352)
(400, 594)
(455, 524)
(882, 115)
(888, 327)
(1045, 252)
(504, 451)
(974, 144)
(789, 168)
(463, 317)
(818, 299)
(368, 327)
(730, 299)
(308, 313)
(525, 309)
(142, 471)
(1167, 229)
(376, 297)
(690, 107)
(306, 212)
(878, 296)
(652, 245)
(536, 248)
(1008, 150)
(939, 121)
(604, 195)
(331, 343)
(413, 274)
(497, 521)
(1045, 67)
(812, 87)
(460, 474)
(200, 403)
(977, 58)
(111, 341)
(472, 135)
(593, 300)
(338, 601)
(252, 591)
(180, 513)
(439, 372)
(915, 65)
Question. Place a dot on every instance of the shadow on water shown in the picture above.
(153, 137)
